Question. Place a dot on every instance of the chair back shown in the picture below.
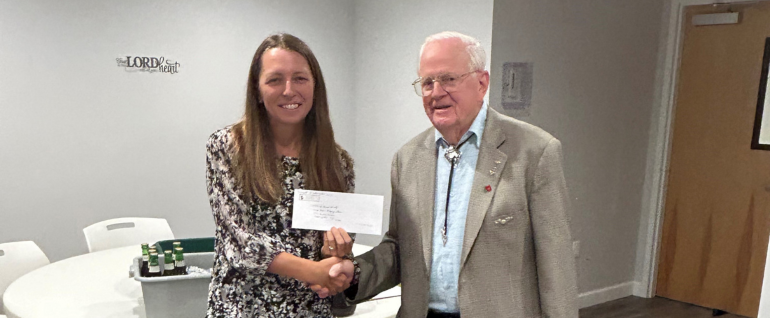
(122, 232)
(17, 259)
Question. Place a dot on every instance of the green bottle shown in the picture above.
(154, 267)
(179, 266)
(149, 252)
(152, 250)
(168, 264)
(145, 259)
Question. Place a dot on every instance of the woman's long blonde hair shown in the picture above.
(256, 165)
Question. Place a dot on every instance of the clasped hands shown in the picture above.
(334, 273)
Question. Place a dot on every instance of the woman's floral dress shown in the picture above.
(249, 236)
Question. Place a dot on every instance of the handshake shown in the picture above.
(333, 274)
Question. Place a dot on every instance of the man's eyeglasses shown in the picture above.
(449, 81)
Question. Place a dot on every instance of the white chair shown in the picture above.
(122, 232)
(17, 259)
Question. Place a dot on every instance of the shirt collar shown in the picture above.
(477, 128)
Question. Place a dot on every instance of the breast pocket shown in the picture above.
(504, 220)
(508, 225)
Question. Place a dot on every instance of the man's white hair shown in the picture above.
(472, 46)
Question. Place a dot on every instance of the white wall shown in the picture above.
(84, 141)
(594, 79)
(388, 36)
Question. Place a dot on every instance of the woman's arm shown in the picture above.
(310, 272)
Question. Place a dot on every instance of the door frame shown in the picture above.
(659, 143)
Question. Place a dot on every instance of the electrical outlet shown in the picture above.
(576, 248)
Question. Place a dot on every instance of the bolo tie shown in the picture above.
(453, 155)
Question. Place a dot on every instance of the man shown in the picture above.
(500, 245)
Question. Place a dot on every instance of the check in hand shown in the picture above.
(341, 274)
(337, 242)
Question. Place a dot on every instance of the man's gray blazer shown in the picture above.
(516, 257)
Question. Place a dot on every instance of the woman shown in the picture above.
(284, 142)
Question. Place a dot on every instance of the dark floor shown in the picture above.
(636, 307)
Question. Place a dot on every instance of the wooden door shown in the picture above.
(717, 212)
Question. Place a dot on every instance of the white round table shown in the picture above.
(90, 285)
(98, 285)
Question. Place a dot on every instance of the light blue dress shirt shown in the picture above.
(445, 268)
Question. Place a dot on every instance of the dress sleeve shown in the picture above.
(243, 250)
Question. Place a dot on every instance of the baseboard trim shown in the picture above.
(606, 294)
(640, 290)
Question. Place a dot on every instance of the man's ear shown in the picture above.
(483, 79)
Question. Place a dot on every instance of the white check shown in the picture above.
(320, 210)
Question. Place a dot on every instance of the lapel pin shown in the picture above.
(488, 188)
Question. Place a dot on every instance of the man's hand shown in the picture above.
(337, 243)
(342, 271)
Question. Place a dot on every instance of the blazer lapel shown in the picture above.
(426, 185)
(489, 167)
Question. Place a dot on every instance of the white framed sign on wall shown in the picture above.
(148, 64)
